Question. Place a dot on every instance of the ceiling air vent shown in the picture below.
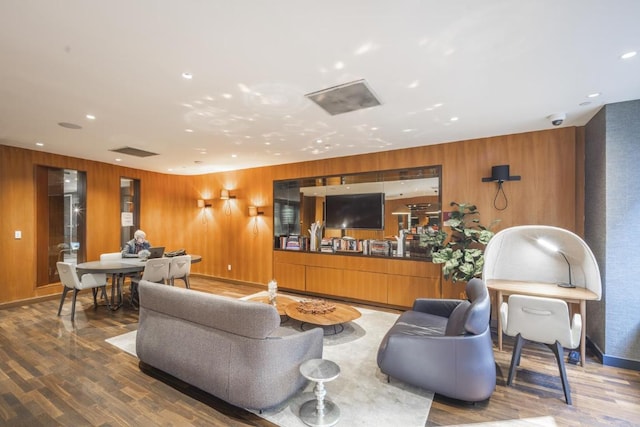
(344, 98)
(133, 152)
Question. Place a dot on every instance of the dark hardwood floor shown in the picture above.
(55, 373)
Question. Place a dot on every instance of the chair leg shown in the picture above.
(64, 295)
(73, 304)
(105, 296)
(559, 353)
(186, 282)
(515, 357)
(94, 291)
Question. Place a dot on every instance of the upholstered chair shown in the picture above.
(543, 320)
(155, 270)
(180, 268)
(70, 281)
(444, 345)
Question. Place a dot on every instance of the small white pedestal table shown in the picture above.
(319, 412)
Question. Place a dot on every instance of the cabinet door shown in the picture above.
(403, 290)
(367, 286)
(289, 276)
(328, 281)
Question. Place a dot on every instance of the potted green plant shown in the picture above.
(462, 255)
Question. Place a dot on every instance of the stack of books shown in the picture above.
(326, 245)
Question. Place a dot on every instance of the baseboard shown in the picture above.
(614, 361)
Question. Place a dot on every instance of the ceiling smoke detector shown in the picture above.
(344, 98)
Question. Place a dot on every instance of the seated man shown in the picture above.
(137, 247)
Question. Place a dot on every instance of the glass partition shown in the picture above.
(379, 213)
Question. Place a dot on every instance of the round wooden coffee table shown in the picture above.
(342, 314)
(281, 302)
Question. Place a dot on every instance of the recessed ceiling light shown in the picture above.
(585, 103)
(188, 130)
(187, 76)
(338, 65)
(234, 155)
(118, 160)
(454, 119)
(593, 95)
(90, 117)
(227, 96)
(40, 144)
(628, 55)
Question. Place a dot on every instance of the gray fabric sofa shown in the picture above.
(232, 349)
(444, 346)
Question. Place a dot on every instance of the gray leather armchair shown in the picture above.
(444, 345)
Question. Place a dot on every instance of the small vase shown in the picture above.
(272, 289)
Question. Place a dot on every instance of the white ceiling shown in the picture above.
(499, 66)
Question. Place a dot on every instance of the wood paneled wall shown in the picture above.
(225, 234)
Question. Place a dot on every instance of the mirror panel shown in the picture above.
(412, 206)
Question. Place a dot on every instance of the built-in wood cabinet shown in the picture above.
(376, 280)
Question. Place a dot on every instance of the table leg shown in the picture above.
(498, 304)
(319, 412)
(583, 334)
(114, 281)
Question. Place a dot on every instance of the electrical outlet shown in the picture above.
(229, 267)
(17, 234)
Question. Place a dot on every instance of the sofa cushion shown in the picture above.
(456, 323)
(245, 318)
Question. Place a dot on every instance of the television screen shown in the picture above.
(356, 211)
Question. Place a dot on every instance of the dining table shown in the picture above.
(118, 269)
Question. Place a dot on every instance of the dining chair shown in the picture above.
(155, 270)
(180, 268)
(70, 281)
(543, 320)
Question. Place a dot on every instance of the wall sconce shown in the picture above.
(225, 195)
(500, 174)
(204, 203)
(253, 211)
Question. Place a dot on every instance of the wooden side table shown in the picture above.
(319, 412)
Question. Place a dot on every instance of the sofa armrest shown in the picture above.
(437, 307)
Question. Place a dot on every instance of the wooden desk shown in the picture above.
(580, 296)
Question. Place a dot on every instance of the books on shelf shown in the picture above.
(339, 245)
(294, 243)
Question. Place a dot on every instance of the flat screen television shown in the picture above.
(355, 211)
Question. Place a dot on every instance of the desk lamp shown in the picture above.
(548, 245)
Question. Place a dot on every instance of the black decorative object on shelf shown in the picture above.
(500, 174)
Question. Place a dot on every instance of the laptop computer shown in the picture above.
(156, 252)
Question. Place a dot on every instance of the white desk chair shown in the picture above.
(543, 320)
(155, 270)
(70, 281)
(180, 268)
